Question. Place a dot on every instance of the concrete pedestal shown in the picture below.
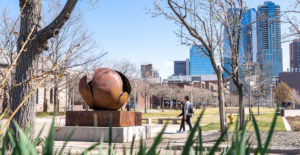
(91, 134)
(88, 118)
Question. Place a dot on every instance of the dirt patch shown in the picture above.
(294, 122)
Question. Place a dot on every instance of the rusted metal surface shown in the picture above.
(108, 90)
(119, 118)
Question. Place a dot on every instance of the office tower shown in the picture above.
(248, 41)
(295, 55)
(269, 52)
(200, 63)
(179, 67)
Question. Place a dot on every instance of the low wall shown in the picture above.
(289, 112)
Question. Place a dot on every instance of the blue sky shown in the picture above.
(123, 28)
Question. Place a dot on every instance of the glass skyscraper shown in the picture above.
(199, 63)
(248, 41)
(269, 52)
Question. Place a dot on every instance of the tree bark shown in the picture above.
(145, 106)
(221, 99)
(241, 107)
(55, 96)
(45, 107)
(31, 17)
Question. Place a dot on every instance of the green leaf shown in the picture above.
(217, 143)
(24, 144)
(189, 143)
(271, 131)
(48, 148)
(132, 144)
(157, 141)
(243, 140)
(110, 135)
(257, 132)
(67, 139)
(200, 140)
(37, 139)
(90, 148)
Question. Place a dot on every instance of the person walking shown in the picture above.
(128, 106)
(182, 125)
(188, 111)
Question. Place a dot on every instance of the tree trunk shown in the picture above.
(258, 112)
(5, 100)
(25, 67)
(45, 107)
(221, 98)
(145, 105)
(170, 104)
(241, 107)
(55, 96)
(163, 105)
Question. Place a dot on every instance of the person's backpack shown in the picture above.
(191, 109)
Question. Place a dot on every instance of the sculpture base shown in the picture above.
(101, 118)
(94, 134)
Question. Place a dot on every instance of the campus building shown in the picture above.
(147, 71)
(269, 52)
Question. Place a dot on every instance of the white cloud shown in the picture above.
(169, 64)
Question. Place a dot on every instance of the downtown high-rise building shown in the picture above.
(269, 51)
(247, 46)
(200, 63)
(248, 40)
(182, 67)
(295, 56)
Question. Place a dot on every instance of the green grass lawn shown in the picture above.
(47, 114)
(211, 119)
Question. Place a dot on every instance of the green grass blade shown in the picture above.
(86, 151)
(217, 143)
(271, 131)
(37, 139)
(48, 149)
(24, 144)
(189, 143)
(243, 139)
(200, 141)
(132, 144)
(66, 141)
(142, 149)
(257, 132)
(100, 145)
(157, 141)
(110, 135)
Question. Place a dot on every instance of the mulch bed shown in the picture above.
(294, 122)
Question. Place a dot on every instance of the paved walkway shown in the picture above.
(281, 140)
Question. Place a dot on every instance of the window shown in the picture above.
(37, 96)
(51, 96)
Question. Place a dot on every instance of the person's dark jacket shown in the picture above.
(182, 111)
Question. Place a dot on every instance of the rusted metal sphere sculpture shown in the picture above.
(108, 90)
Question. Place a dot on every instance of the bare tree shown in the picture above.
(8, 43)
(260, 86)
(295, 98)
(72, 35)
(30, 27)
(201, 24)
(145, 88)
